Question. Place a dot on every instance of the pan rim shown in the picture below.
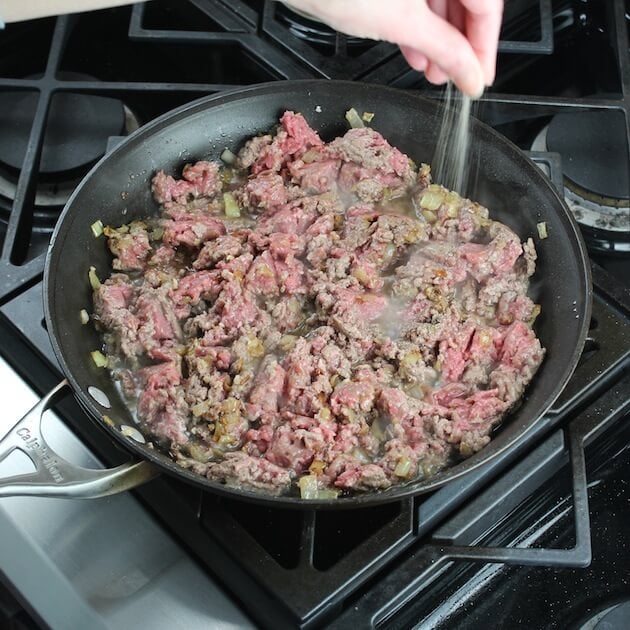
(400, 491)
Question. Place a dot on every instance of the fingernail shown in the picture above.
(479, 84)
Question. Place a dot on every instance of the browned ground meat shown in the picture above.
(355, 327)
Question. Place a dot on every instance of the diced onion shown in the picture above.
(542, 229)
(200, 453)
(429, 215)
(108, 421)
(100, 360)
(308, 487)
(410, 359)
(95, 283)
(328, 493)
(417, 391)
(390, 250)
(317, 467)
(367, 116)
(451, 212)
(97, 228)
(310, 156)
(361, 275)
(287, 342)
(231, 207)
(255, 347)
(353, 118)
(334, 380)
(228, 157)
(403, 467)
(200, 408)
(378, 430)
(485, 338)
(360, 455)
(83, 316)
(431, 199)
(535, 313)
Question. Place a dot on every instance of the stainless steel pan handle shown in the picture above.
(54, 476)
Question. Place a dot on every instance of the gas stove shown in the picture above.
(538, 537)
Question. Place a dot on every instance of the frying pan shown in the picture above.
(117, 190)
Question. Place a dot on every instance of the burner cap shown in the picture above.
(616, 619)
(307, 27)
(594, 152)
(77, 128)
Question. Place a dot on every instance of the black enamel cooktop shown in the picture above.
(511, 544)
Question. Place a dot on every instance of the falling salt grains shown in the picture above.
(451, 163)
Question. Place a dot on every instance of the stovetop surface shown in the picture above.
(456, 558)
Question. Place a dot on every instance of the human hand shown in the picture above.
(445, 39)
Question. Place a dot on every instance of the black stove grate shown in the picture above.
(244, 43)
(379, 566)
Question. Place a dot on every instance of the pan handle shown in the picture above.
(54, 476)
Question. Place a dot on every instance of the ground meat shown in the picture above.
(363, 477)
(162, 404)
(157, 322)
(192, 288)
(191, 229)
(222, 248)
(369, 149)
(113, 312)
(293, 139)
(292, 218)
(266, 190)
(129, 245)
(198, 180)
(266, 395)
(242, 470)
(316, 177)
(327, 331)
(252, 150)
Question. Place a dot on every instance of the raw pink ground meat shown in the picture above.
(198, 180)
(191, 229)
(327, 331)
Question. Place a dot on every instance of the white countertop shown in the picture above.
(98, 563)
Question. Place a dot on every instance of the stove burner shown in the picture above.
(77, 131)
(596, 180)
(614, 618)
(50, 197)
(595, 159)
(310, 29)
